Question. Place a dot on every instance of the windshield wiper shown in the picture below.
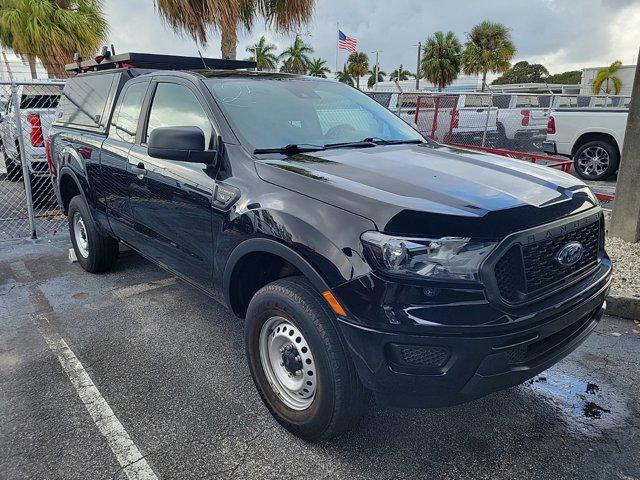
(382, 141)
(358, 144)
(291, 148)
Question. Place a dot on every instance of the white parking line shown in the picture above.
(129, 457)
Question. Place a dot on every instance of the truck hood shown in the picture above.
(432, 189)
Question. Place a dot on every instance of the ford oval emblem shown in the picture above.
(570, 254)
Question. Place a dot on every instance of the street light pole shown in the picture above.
(376, 69)
(418, 66)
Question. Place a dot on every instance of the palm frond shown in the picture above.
(52, 30)
(197, 18)
(489, 48)
(605, 78)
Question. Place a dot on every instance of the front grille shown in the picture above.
(528, 270)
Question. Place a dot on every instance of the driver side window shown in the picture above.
(175, 105)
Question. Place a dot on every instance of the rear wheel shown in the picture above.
(14, 172)
(596, 160)
(299, 363)
(95, 251)
(501, 140)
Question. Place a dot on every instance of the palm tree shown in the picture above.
(400, 74)
(52, 31)
(489, 48)
(606, 78)
(263, 54)
(344, 76)
(358, 64)
(196, 18)
(318, 68)
(296, 58)
(441, 60)
(372, 78)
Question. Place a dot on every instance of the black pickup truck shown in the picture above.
(364, 259)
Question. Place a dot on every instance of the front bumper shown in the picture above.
(549, 146)
(444, 368)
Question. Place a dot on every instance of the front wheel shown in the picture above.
(299, 363)
(596, 160)
(95, 251)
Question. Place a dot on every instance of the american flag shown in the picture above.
(346, 43)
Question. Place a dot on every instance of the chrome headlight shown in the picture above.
(446, 258)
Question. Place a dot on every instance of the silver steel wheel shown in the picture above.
(288, 363)
(593, 161)
(80, 234)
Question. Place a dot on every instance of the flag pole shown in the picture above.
(337, 38)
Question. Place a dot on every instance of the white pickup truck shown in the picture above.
(37, 107)
(463, 118)
(522, 121)
(592, 137)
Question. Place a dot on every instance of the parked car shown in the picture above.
(592, 137)
(522, 121)
(364, 259)
(465, 118)
(38, 103)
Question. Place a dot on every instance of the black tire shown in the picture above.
(613, 160)
(501, 138)
(42, 191)
(340, 399)
(102, 249)
(14, 172)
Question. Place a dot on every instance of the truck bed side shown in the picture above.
(573, 124)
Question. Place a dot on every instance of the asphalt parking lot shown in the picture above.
(169, 363)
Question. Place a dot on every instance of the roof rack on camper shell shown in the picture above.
(156, 61)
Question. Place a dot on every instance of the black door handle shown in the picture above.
(139, 170)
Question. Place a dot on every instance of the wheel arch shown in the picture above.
(263, 248)
(68, 187)
(595, 136)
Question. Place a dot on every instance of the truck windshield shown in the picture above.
(274, 112)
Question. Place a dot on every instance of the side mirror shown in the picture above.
(183, 144)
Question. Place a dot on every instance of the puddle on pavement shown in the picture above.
(587, 408)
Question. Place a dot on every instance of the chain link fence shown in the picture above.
(515, 122)
(28, 207)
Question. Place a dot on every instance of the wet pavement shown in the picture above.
(170, 364)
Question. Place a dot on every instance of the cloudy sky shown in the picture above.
(561, 34)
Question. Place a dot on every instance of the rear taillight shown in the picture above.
(36, 130)
(455, 119)
(525, 118)
(551, 126)
(47, 148)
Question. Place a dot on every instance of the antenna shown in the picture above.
(204, 64)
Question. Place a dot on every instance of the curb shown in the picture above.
(625, 307)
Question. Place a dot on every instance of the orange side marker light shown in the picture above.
(334, 303)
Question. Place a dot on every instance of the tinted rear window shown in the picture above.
(501, 101)
(527, 101)
(477, 101)
(84, 100)
(39, 101)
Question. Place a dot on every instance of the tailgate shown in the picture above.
(36, 124)
(538, 117)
